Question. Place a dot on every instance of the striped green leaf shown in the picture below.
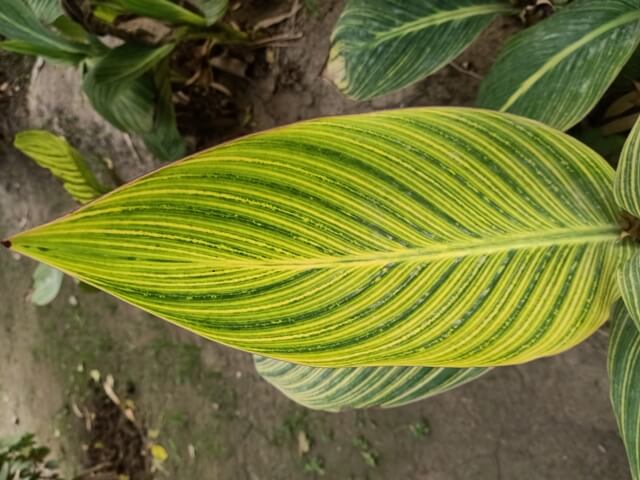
(627, 183)
(557, 71)
(629, 281)
(64, 161)
(25, 34)
(337, 389)
(624, 382)
(421, 237)
(383, 45)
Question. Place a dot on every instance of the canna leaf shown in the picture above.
(64, 161)
(337, 389)
(556, 71)
(624, 382)
(165, 10)
(425, 237)
(129, 107)
(213, 10)
(47, 11)
(379, 46)
(128, 62)
(627, 182)
(27, 35)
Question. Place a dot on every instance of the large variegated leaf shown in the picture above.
(427, 237)
(336, 389)
(64, 161)
(382, 45)
(557, 71)
(25, 34)
(624, 382)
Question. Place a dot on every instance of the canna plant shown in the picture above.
(128, 84)
(374, 260)
(568, 59)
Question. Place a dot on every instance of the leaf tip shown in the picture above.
(6, 243)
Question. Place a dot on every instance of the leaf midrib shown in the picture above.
(441, 17)
(559, 57)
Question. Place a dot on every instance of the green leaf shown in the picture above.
(379, 46)
(337, 389)
(129, 107)
(213, 10)
(627, 182)
(629, 281)
(557, 70)
(46, 285)
(624, 382)
(423, 237)
(47, 11)
(27, 35)
(165, 141)
(164, 10)
(128, 62)
(64, 161)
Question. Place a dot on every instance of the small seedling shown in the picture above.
(314, 465)
(420, 429)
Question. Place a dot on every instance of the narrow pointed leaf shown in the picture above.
(383, 45)
(20, 25)
(128, 62)
(422, 237)
(627, 183)
(165, 10)
(213, 10)
(624, 382)
(629, 281)
(64, 161)
(336, 389)
(557, 70)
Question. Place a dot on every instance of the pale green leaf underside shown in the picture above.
(624, 382)
(46, 285)
(383, 45)
(336, 389)
(556, 71)
(47, 11)
(64, 162)
(426, 237)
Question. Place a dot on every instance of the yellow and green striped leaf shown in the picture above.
(64, 162)
(556, 71)
(383, 45)
(337, 389)
(624, 382)
(627, 183)
(422, 237)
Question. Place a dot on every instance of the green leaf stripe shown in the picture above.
(624, 382)
(424, 237)
(627, 183)
(569, 61)
(382, 45)
(337, 389)
(162, 10)
(64, 161)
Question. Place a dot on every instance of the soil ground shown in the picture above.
(204, 403)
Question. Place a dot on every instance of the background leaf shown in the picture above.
(47, 11)
(165, 10)
(556, 71)
(425, 237)
(624, 382)
(627, 183)
(28, 36)
(379, 46)
(336, 389)
(64, 161)
(213, 10)
(46, 285)
(128, 62)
